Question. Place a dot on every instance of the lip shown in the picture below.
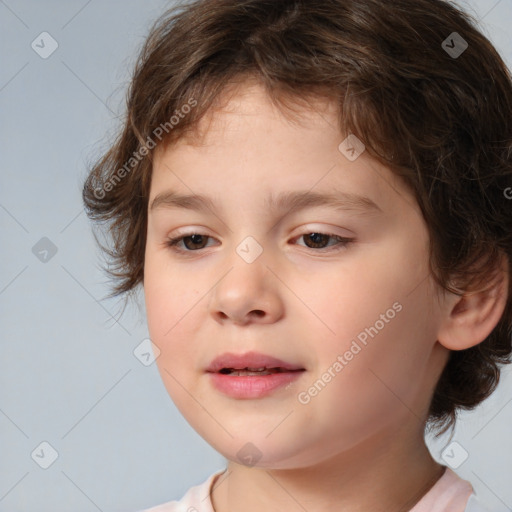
(251, 386)
(249, 360)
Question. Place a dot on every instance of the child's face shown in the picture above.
(305, 300)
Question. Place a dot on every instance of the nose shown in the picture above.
(248, 293)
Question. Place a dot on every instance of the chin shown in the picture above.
(260, 452)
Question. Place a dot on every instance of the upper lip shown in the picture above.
(249, 360)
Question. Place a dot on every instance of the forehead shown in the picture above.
(247, 98)
(246, 137)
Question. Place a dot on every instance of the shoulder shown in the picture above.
(196, 499)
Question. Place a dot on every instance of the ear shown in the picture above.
(469, 319)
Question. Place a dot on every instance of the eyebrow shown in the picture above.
(286, 201)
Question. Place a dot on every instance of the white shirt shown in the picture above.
(449, 494)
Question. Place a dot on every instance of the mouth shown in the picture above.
(251, 362)
(247, 372)
(251, 375)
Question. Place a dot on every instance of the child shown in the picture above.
(315, 199)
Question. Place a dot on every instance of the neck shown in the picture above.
(383, 474)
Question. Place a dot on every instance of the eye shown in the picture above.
(317, 240)
(320, 241)
(191, 242)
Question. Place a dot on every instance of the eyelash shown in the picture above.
(343, 242)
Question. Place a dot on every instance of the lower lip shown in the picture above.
(252, 386)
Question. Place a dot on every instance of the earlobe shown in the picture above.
(470, 318)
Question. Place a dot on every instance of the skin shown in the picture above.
(358, 444)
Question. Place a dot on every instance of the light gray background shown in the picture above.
(68, 374)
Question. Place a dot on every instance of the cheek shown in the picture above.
(172, 306)
(385, 366)
(352, 296)
(172, 301)
(376, 315)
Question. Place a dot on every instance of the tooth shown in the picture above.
(246, 373)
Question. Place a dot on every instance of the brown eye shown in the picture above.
(317, 240)
(324, 242)
(195, 241)
(321, 241)
(190, 242)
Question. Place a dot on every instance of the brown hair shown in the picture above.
(441, 121)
